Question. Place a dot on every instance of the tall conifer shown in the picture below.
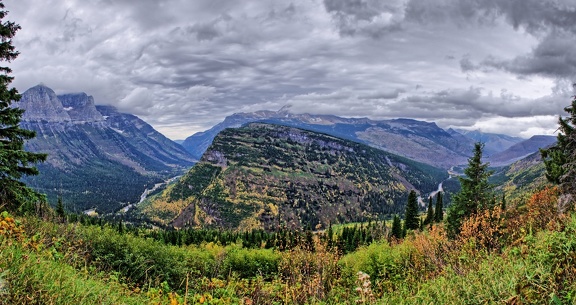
(438, 212)
(396, 227)
(14, 161)
(430, 213)
(560, 159)
(411, 220)
(475, 193)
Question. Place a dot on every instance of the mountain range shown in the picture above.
(104, 159)
(97, 157)
(420, 141)
(493, 143)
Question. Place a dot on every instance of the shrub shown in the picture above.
(248, 263)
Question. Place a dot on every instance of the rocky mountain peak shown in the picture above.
(80, 107)
(41, 104)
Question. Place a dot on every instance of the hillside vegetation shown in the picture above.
(521, 255)
(270, 176)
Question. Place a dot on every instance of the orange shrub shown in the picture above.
(485, 229)
(9, 228)
(538, 213)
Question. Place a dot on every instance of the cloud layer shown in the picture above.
(496, 65)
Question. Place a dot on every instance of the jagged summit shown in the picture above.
(41, 104)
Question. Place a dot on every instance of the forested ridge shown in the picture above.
(270, 176)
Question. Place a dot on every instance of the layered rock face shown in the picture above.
(80, 107)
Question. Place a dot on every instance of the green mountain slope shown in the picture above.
(521, 177)
(266, 176)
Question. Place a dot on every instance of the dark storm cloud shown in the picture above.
(369, 17)
(555, 56)
(392, 94)
(552, 22)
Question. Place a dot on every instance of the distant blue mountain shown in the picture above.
(493, 143)
(521, 150)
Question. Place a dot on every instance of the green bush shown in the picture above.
(248, 263)
(145, 261)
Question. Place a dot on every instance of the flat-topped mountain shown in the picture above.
(268, 176)
(97, 157)
(421, 141)
(80, 107)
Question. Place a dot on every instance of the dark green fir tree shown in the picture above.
(429, 213)
(475, 193)
(411, 220)
(560, 159)
(438, 212)
(60, 209)
(14, 161)
(396, 227)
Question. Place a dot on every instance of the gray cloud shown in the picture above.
(184, 65)
(390, 94)
(370, 17)
(554, 56)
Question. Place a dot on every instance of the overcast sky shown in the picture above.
(502, 66)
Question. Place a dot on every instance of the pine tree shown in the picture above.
(430, 213)
(330, 236)
(475, 193)
(503, 202)
(121, 230)
(411, 220)
(438, 212)
(396, 227)
(14, 161)
(404, 231)
(60, 209)
(560, 159)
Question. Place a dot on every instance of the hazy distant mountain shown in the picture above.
(420, 141)
(97, 157)
(265, 176)
(521, 150)
(493, 143)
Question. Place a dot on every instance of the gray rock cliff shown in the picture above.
(41, 104)
(80, 107)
